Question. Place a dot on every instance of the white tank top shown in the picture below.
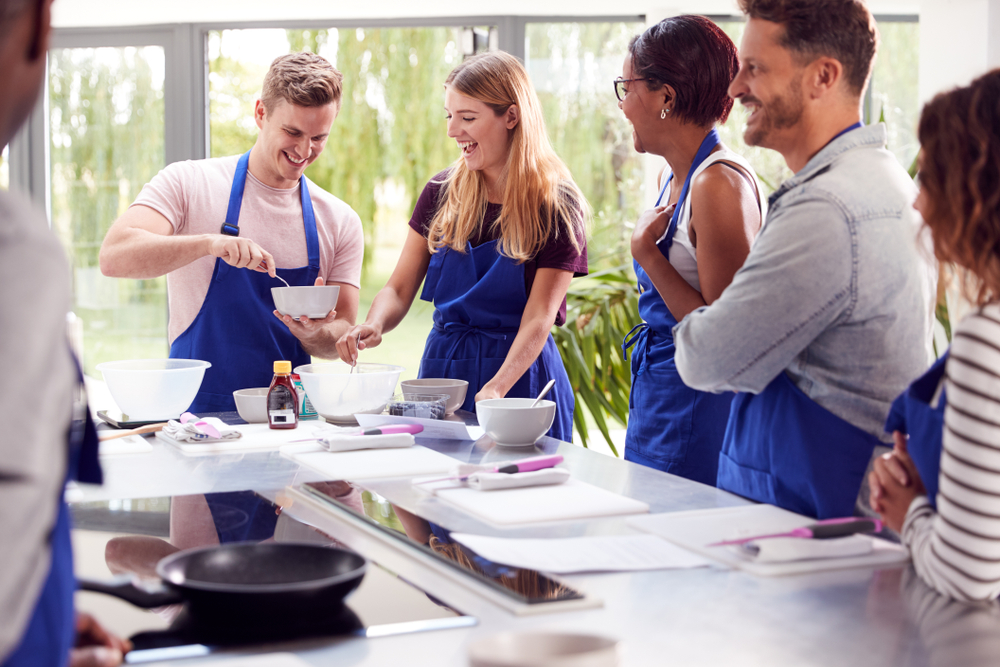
(682, 255)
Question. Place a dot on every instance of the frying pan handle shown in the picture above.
(125, 588)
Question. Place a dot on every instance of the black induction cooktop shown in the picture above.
(146, 530)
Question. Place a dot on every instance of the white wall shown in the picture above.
(959, 40)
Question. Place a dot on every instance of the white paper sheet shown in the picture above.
(369, 463)
(613, 553)
(445, 429)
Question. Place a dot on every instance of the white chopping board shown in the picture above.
(696, 529)
(370, 463)
(255, 437)
(558, 502)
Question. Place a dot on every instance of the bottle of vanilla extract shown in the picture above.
(282, 401)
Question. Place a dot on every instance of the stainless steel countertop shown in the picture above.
(707, 616)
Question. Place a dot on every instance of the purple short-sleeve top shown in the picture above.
(557, 253)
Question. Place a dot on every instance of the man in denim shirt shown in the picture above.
(831, 315)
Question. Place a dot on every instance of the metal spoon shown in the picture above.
(541, 394)
(357, 352)
(282, 280)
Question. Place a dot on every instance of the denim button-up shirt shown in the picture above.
(837, 290)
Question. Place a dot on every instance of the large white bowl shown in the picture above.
(153, 389)
(338, 395)
(252, 404)
(314, 301)
(455, 389)
(512, 423)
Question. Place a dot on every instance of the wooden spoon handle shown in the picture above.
(148, 428)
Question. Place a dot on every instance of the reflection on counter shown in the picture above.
(526, 586)
(955, 634)
(135, 535)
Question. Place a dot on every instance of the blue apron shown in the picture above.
(235, 329)
(783, 448)
(671, 427)
(51, 630)
(479, 297)
(916, 414)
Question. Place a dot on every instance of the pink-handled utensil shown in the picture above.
(821, 530)
(385, 429)
(522, 465)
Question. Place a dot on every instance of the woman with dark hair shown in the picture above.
(940, 486)
(686, 249)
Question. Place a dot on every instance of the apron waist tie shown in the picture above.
(461, 331)
(632, 337)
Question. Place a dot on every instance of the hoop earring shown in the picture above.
(663, 113)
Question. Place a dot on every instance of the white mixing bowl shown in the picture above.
(337, 394)
(312, 301)
(512, 423)
(153, 389)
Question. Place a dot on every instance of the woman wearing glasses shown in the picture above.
(686, 249)
(499, 236)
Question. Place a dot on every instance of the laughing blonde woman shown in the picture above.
(496, 238)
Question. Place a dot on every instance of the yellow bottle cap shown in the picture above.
(283, 367)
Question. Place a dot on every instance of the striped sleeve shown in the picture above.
(957, 549)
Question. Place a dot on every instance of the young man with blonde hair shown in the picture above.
(221, 229)
(830, 317)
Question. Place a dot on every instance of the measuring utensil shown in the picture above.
(821, 530)
(522, 465)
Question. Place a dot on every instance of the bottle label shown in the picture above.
(281, 416)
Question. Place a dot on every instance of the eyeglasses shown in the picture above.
(621, 90)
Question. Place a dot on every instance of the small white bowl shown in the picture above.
(512, 423)
(456, 390)
(252, 404)
(312, 301)
(545, 649)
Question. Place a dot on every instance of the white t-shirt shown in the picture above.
(683, 256)
(194, 197)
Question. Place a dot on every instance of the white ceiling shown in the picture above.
(81, 13)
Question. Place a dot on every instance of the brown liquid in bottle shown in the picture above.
(282, 400)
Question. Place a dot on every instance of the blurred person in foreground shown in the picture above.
(940, 486)
(42, 447)
(830, 316)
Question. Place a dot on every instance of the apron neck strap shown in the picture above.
(708, 144)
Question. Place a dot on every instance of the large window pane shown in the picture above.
(894, 93)
(895, 87)
(106, 128)
(768, 164)
(572, 66)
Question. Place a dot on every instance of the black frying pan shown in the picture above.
(247, 579)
